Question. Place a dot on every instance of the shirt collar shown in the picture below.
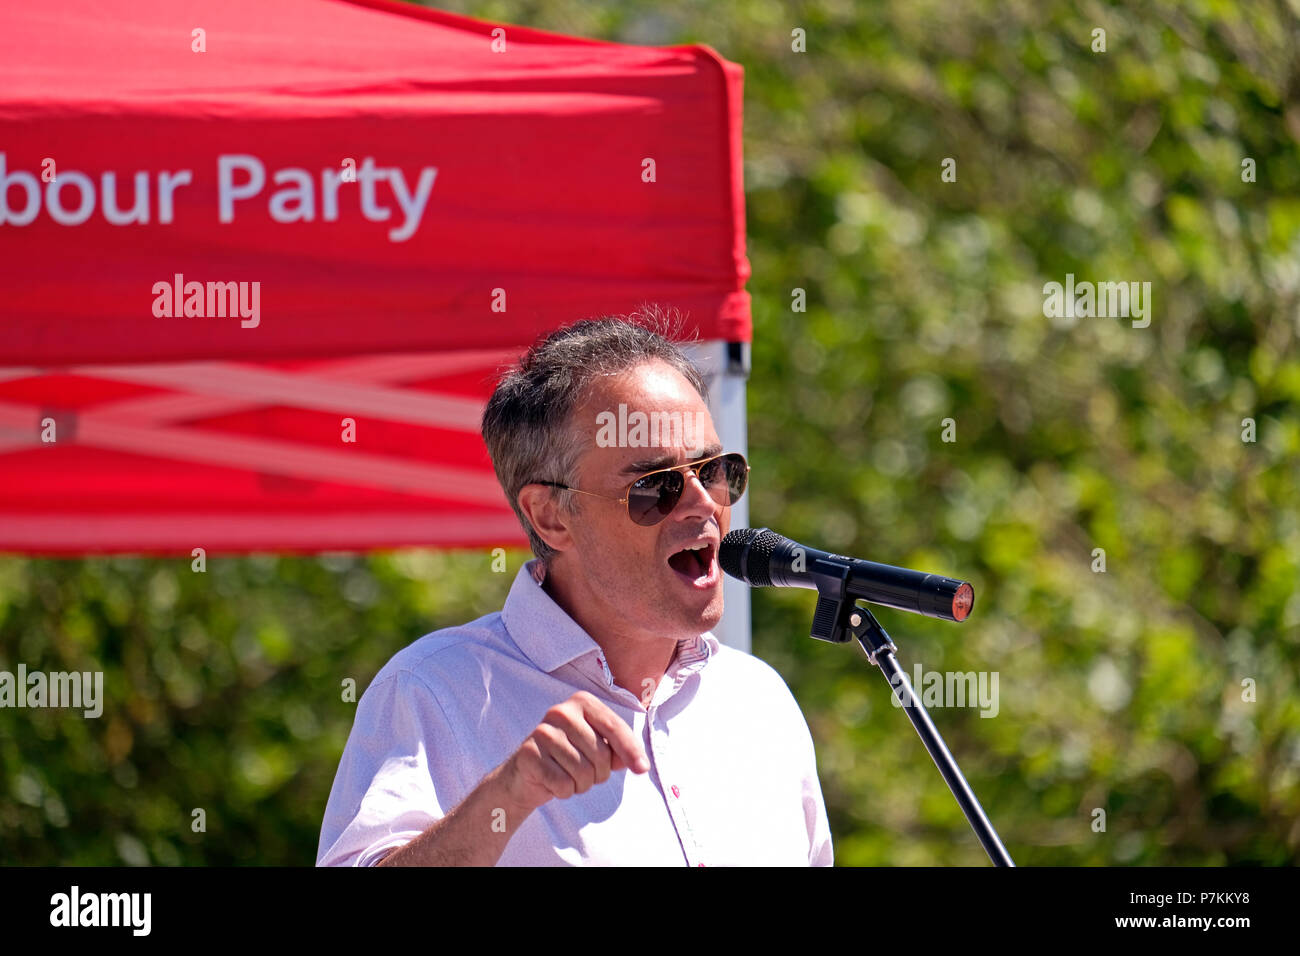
(544, 631)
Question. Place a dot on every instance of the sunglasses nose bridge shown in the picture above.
(690, 475)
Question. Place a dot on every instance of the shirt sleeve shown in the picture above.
(820, 852)
(814, 806)
(384, 795)
(791, 728)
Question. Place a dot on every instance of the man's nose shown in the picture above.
(696, 497)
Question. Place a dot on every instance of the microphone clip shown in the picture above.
(831, 619)
(839, 618)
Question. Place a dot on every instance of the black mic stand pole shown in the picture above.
(837, 618)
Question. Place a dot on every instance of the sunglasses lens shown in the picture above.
(725, 478)
(652, 498)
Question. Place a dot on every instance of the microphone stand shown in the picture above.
(838, 619)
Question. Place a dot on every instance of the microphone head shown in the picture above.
(746, 553)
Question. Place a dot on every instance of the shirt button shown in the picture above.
(676, 793)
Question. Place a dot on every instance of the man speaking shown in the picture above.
(594, 719)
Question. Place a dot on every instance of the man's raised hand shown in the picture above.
(578, 744)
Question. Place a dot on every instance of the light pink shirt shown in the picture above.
(733, 777)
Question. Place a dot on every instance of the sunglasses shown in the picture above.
(654, 495)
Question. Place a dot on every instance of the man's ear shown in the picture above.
(542, 509)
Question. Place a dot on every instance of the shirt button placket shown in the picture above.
(676, 809)
(694, 855)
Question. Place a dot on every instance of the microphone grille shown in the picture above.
(746, 553)
(732, 547)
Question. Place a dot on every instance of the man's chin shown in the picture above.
(694, 621)
(693, 610)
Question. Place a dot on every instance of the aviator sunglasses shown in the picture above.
(654, 495)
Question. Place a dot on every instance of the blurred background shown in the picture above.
(1162, 690)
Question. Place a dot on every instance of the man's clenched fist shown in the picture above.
(578, 744)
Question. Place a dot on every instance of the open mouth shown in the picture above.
(696, 564)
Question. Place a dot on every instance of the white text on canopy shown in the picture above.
(296, 200)
(71, 197)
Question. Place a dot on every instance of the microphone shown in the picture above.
(762, 558)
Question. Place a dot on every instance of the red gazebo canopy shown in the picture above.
(261, 258)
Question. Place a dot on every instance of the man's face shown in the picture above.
(633, 578)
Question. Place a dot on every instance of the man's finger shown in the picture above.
(590, 744)
(556, 779)
(619, 735)
(557, 745)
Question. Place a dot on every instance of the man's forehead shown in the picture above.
(648, 418)
(653, 383)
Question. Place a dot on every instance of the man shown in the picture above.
(594, 719)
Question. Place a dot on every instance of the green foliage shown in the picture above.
(1120, 691)
(233, 683)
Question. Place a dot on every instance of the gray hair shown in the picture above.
(526, 423)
